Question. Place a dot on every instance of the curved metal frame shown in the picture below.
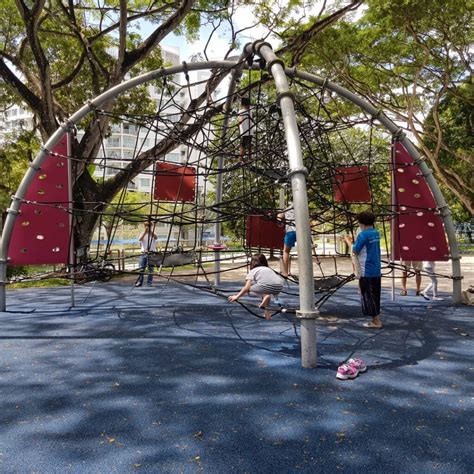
(307, 311)
(398, 133)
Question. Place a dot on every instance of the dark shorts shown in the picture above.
(290, 239)
(246, 141)
(370, 295)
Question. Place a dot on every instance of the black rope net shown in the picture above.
(255, 181)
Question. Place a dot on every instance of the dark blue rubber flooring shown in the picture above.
(169, 379)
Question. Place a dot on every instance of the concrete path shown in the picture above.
(169, 379)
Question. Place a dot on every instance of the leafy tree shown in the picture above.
(455, 117)
(55, 56)
(404, 56)
(127, 206)
(15, 154)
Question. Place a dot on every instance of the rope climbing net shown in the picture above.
(194, 142)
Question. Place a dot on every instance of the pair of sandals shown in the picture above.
(405, 293)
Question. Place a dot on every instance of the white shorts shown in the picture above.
(417, 266)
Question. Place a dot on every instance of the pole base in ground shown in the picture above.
(309, 356)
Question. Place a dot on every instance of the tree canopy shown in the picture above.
(407, 57)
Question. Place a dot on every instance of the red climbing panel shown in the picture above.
(351, 184)
(42, 229)
(418, 228)
(175, 182)
(261, 232)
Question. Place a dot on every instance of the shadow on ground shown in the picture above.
(170, 380)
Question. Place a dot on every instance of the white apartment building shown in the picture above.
(13, 121)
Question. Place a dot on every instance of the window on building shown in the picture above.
(113, 141)
(130, 128)
(174, 157)
(129, 142)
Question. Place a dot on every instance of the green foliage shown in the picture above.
(135, 205)
(15, 155)
(402, 56)
(456, 118)
(17, 271)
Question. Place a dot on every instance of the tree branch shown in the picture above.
(122, 34)
(131, 18)
(132, 57)
(27, 94)
(96, 67)
(72, 75)
(299, 43)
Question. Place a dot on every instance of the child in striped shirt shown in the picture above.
(262, 281)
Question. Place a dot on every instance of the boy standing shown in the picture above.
(367, 251)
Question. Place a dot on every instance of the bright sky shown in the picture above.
(219, 44)
(243, 17)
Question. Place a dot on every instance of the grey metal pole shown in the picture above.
(71, 221)
(297, 174)
(419, 160)
(392, 229)
(282, 205)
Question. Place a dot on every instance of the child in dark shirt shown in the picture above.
(366, 250)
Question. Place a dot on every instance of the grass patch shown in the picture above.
(49, 283)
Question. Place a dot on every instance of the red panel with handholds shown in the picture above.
(418, 230)
(264, 232)
(175, 182)
(351, 184)
(41, 234)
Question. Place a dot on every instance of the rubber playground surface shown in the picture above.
(172, 379)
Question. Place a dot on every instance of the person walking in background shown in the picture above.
(417, 267)
(430, 268)
(288, 217)
(147, 241)
(367, 251)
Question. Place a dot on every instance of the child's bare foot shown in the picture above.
(374, 324)
(267, 315)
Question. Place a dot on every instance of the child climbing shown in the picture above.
(262, 281)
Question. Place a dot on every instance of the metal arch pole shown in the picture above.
(297, 172)
(419, 160)
(35, 166)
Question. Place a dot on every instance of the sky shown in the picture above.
(219, 44)
(243, 17)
